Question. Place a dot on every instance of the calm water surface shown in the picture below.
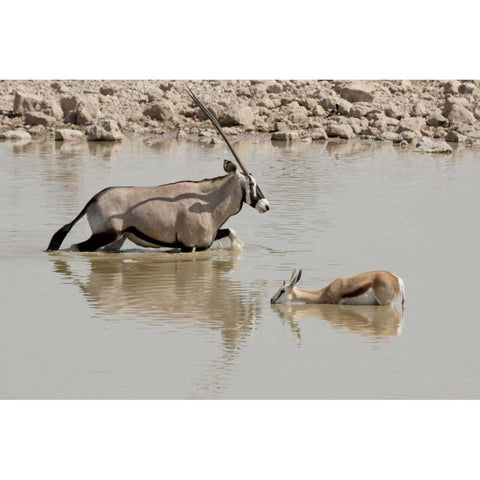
(144, 324)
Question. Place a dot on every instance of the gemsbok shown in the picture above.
(186, 215)
(370, 288)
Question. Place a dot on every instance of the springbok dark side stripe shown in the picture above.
(358, 291)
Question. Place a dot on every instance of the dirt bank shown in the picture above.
(424, 115)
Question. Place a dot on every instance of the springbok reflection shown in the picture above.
(377, 322)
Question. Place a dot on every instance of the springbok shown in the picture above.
(370, 288)
(187, 215)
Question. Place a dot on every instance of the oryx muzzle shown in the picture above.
(186, 215)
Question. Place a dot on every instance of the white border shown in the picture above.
(371, 39)
(248, 39)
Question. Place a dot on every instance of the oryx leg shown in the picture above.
(116, 246)
(230, 233)
(222, 233)
(96, 241)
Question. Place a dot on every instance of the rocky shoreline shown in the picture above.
(424, 115)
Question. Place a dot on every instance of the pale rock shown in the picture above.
(120, 119)
(26, 102)
(58, 87)
(395, 112)
(356, 91)
(266, 102)
(467, 88)
(369, 132)
(439, 133)
(328, 102)
(297, 115)
(66, 134)
(274, 87)
(173, 97)
(79, 110)
(258, 89)
(319, 134)
(39, 118)
(237, 115)
(341, 131)
(104, 130)
(419, 109)
(436, 120)
(410, 136)
(357, 128)
(298, 118)
(344, 107)
(459, 115)
(308, 103)
(319, 111)
(451, 101)
(135, 117)
(392, 137)
(15, 135)
(427, 145)
(288, 136)
(360, 110)
(412, 124)
(108, 90)
(282, 126)
(428, 132)
(37, 130)
(451, 87)
(161, 110)
(455, 137)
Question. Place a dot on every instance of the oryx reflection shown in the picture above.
(156, 287)
(376, 322)
(174, 292)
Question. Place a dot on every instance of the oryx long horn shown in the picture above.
(216, 124)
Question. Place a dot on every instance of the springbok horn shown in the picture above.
(212, 118)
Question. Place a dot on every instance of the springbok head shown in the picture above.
(252, 194)
(285, 291)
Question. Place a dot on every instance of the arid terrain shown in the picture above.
(426, 115)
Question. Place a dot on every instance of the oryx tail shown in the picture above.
(60, 235)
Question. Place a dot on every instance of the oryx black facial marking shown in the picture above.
(185, 214)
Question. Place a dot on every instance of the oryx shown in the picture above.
(187, 215)
(371, 288)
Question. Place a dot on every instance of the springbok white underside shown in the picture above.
(366, 298)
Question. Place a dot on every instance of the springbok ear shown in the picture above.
(292, 278)
(299, 276)
(229, 166)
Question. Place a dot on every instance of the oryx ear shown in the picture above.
(229, 166)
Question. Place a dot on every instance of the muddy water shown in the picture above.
(144, 324)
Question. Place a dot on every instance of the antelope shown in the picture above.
(186, 215)
(370, 288)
